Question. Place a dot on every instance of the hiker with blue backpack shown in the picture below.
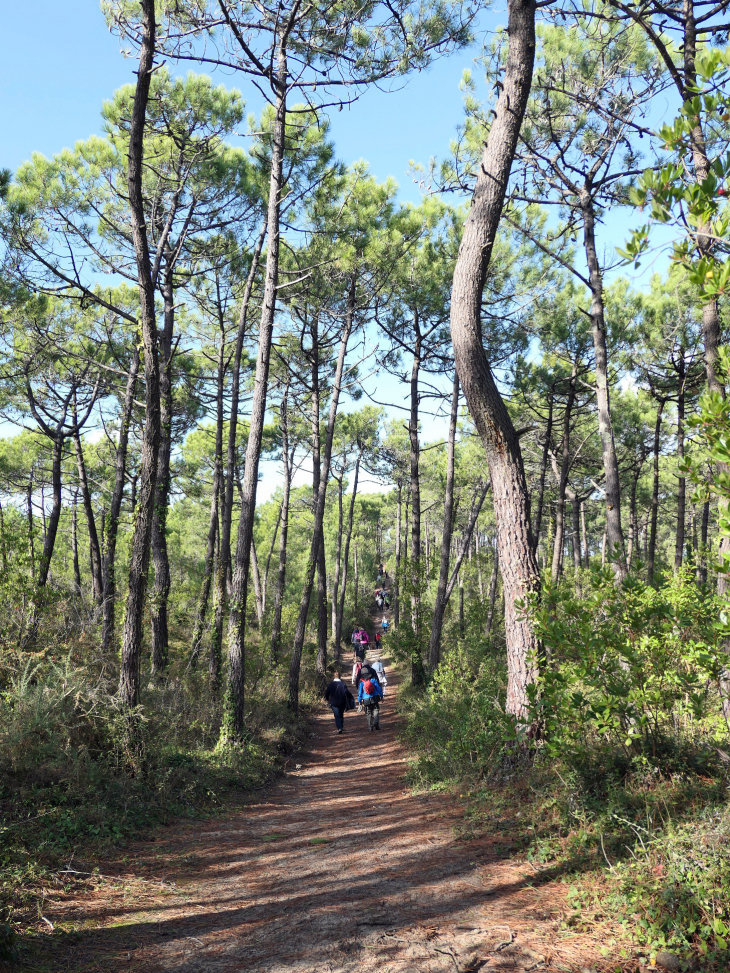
(370, 696)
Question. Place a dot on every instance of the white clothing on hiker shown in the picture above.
(380, 670)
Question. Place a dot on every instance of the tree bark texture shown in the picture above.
(633, 522)
(131, 652)
(223, 570)
(517, 555)
(49, 542)
(577, 558)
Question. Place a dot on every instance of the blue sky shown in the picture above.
(58, 65)
(58, 62)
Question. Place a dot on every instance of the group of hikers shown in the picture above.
(382, 598)
(368, 678)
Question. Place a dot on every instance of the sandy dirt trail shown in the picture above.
(339, 868)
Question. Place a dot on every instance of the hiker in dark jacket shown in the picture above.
(337, 695)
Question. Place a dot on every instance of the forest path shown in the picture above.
(339, 868)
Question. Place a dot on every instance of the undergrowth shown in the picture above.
(70, 790)
(631, 809)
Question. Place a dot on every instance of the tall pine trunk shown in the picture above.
(543, 470)
(511, 504)
(338, 571)
(131, 652)
(614, 533)
(633, 521)
(319, 508)
(97, 585)
(434, 644)
(213, 521)
(396, 579)
(416, 575)
(563, 483)
(651, 557)
(682, 482)
(220, 594)
(75, 543)
(321, 663)
(232, 726)
(346, 553)
(31, 531)
(577, 558)
(284, 530)
(161, 561)
(111, 531)
(257, 589)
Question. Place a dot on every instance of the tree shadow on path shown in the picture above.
(339, 868)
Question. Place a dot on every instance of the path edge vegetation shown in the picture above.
(597, 694)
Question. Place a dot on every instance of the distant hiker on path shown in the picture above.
(384, 625)
(356, 667)
(337, 695)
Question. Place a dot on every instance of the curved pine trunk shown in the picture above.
(517, 557)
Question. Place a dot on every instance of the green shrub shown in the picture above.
(629, 668)
(69, 785)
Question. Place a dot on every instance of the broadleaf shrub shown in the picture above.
(628, 668)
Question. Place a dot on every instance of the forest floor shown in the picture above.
(338, 868)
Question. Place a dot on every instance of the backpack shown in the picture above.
(370, 688)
